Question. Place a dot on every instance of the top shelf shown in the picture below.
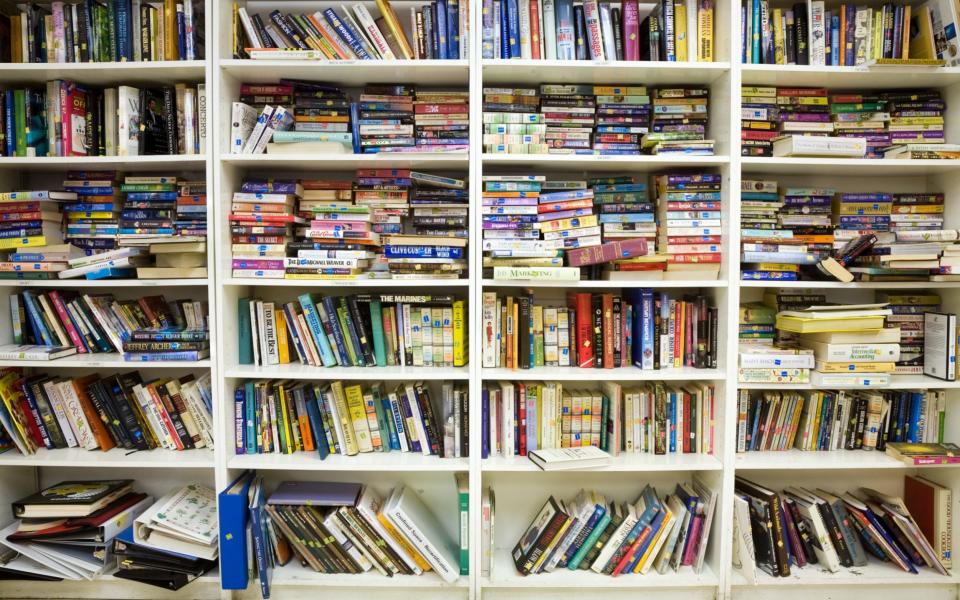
(530, 72)
(849, 77)
(352, 72)
(98, 73)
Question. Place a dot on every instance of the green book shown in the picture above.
(463, 493)
(246, 340)
(20, 122)
(376, 323)
(351, 351)
(604, 415)
(590, 541)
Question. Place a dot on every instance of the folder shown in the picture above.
(234, 513)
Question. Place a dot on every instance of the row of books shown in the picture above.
(668, 30)
(596, 119)
(786, 121)
(787, 233)
(92, 412)
(437, 30)
(838, 420)
(128, 30)
(387, 224)
(281, 417)
(610, 538)
(532, 223)
(297, 116)
(847, 35)
(359, 330)
(522, 417)
(335, 527)
(799, 527)
(604, 331)
(57, 323)
(66, 118)
(79, 530)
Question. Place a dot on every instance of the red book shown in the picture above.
(30, 417)
(631, 555)
(678, 332)
(798, 92)
(265, 89)
(685, 399)
(581, 304)
(535, 29)
(520, 409)
(67, 322)
(401, 173)
(439, 109)
(608, 330)
(608, 252)
(73, 123)
(631, 30)
(695, 258)
(688, 334)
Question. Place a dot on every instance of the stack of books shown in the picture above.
(341, 418)
(688, 207)
(337, 527)
(627, 218)
(570, 113)
(680, 31)
(916, 116)
(864, 116)
(758, 120)
(924, 454)
(917, 212)
(436, 32)
(442, 120)
(763, 362)
(84, 120)
(756, 324)
(522, 417)
(262, 217)
(30, 235)
(840, 530)
(391, 114)
(512, 123)
(46, 262)
(861, 420)
(679, 123)
(908, 310)
(603, 331)
(851, 343)
(361, 330)
(163, 330)
(92, 223)
(119, 411)
(623, 116)
(761, 236)
(60, 32)
(609, 538)
(846, 35)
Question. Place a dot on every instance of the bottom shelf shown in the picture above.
(296, 575)
(875, 573)
(206, 587)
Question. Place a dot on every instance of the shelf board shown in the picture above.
(301, 371)
(613, 72)
(357, 283)
(598, 284)
(875, 573)
(865, 285)
(153, 163)
(897, 382)
(94, 73)
(296, 575)
(866, 167)
(621, 374)
(849, 77)
(205, 587)
(625, 463)
(635, 163)
(369, 461)
(351, 72)
(503, 574)
(799, 460)
(339, 162)
(104, 283)
(159, 458)
(110, 360)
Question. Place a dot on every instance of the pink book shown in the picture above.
(631, 30)
(67, 322)
(607, 252)
(693, 541)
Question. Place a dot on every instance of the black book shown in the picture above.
(580, 27)
(153, 123)
(430, 421)
(645, 38)
(790, 43)
(114, 388)
(71, 499)
(170, 109)
(658, 326)
(108, 414)
(522, 328)
(597, 316)
(617, 31)
(359, 323)
(763, 543)
(618, 326)
(770, 502)
(801, 33)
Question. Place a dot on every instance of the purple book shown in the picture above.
(316, 493)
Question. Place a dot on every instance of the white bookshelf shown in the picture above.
(520, 487)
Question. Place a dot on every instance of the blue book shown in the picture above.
(647, 331)
(355, 126)
(655, 526)
(598, 511)
(239, 420)
(111, 273)
(385, 419)
(423, 252)
(261, 544)
(513, 29)
(580, 32)
(835, 40)
(756, 31)
(441, 27)
(913, 425)
(346, 34)
(791, 552)
(40, 331)
(181, 35)
(250, 411)
(504, 35)
(312, 317)
(429, 35)
(849, 55)
(407, 413)
(330, 319)
(8, 127)
(743, 34)
(672, 420)
(566, 30)
(124, 21)
(397, 416)
(453, 30)
(291, 317)
(233, 513)
(316, 423)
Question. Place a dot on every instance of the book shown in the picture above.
(940, 345)
(71, 499)
(569, 458)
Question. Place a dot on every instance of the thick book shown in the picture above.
(316, 493)
(71, 499)
(940, 345)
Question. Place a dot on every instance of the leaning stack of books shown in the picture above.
(361, 330)
(851, 343)
(925, 454)
(604, 331)
(627, 215)
(181, 325)
(347, 419)
(262, 217)
(907, 317)
(679, 123)
(588, 532)
(758, 120)
(111, 264)
(512, 239)
(442, 120)
(117, 411)
(512, 123)
(522, 417)
(690, 237)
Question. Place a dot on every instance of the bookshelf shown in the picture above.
(519, 485)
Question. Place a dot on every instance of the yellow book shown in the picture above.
(27, 242)
(680, 30)
(657, 542)
(11, 400)
(779, 43)
(782, 267)
(171, 46)
(283, 346)
(235, 23)
(459, 334)
(905, 44)
(705, 32)
(283, 419)
(920, 43)
(799, 325)
(349, 442)
(861, 208)
(358, 414)
(402, 541)
(51, 216)
(393, 24)
(318, 276)
(814, 402)
(877, 38)
(855, 367)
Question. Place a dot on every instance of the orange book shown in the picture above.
(283, 346)
(608, 333)
(97, 425)
(843, 34)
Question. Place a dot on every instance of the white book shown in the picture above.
(497, 11)
(203, 511)
(111, 120)
(940, 345)
(128, 121)
(557, 459)
(336, 530)
(526, 48)
(149, 407)
(708, 496)
(818, 32)
(415, 521)
(421, 431)
(58, 404)
(76, 416)
(832, 147)
(368, 505)
(619, 535)
(373, 32)
(269, 317)
(243, 118)
(249, 29)
(31, 352)
(190, 513)
(263, 121)
(743, 539)
(693, 52)
(507, 413)
(364, 39)
(606, 28)
(678, 513)
(549, 30)
(591, 16)
(280, 120)
(189, 120)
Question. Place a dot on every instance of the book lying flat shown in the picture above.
(561, 459)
